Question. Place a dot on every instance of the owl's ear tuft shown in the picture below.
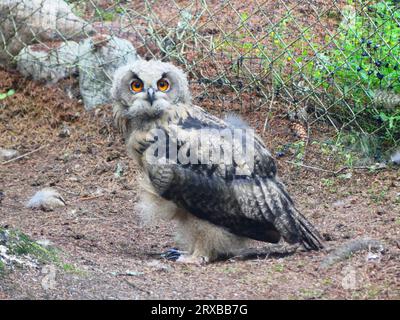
(183, 84)
(119, 74)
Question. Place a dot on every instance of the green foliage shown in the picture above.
(362, 63)
(299, 147)
(9, 93)
(106, 15)
(279, 268)
(111, 13)
(69, 268)
(348, 69)
(339, 151)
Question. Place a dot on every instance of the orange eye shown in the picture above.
(163, 85)
(137, 86)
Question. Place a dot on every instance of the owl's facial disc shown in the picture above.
(149, 90)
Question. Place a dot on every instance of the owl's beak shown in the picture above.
(150, 95)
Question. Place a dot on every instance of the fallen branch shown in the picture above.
(380, 167)
(23, 155)
(348, 249)
(309, 167)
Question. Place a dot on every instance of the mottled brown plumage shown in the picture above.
(217, 207)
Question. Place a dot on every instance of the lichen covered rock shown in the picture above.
(48, 62)
(18, 249)
(99, 58)
(23, 22)
(8, 154)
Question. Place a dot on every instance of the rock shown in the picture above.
(349, 14)
(65, 132)
(48, 62)
(18, 249)
(99, 57)
(23, 22)
(338, 203)
(395, 157)
(46, 199)
(44, 243)
(8, 154)
(373, 257)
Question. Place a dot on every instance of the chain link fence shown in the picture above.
(330, 66)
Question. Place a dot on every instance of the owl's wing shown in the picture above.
(254, 205)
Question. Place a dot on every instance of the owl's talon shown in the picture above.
(172, 254)
(196, 260)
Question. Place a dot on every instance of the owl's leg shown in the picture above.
(174, 254)
(201, 254)
(193, 259)
(203, 241)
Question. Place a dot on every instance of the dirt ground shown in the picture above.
(107, 254)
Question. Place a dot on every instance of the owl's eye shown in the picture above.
(163, 85)
(137, 85)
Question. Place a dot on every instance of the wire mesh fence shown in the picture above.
(318, 62)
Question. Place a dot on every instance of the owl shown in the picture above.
(214, 177)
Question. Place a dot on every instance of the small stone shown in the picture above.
(395, 157)
(65, 132)
(8, 154)
(44, 243)
(373, 257)
(339, 203)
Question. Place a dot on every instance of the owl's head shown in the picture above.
(145, 88)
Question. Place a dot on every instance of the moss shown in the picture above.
(69, 268)
(20, 244)
(2, 268)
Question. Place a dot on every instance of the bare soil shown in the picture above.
(107, 254)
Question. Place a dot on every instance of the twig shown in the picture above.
(309, 167)
(23, 155)
(90, 198)
(269, 111)
(380, 167)
(137, 287)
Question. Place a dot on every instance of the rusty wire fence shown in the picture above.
(317, 62)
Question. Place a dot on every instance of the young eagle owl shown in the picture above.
(217, 204)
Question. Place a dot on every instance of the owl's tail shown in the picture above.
(289, 222)
(309, 236)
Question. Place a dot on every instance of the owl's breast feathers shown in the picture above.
(254, 205)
